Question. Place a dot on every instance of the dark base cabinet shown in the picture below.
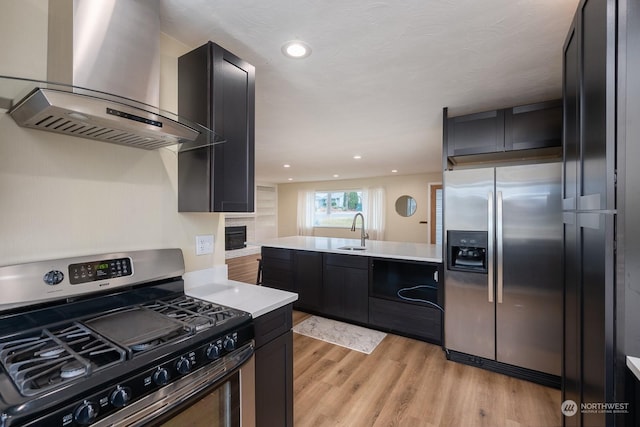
(399, 296)
(307, 279)
(406, 298)
(277, 268)
(274, 368)
(424, 323)
(346, 287)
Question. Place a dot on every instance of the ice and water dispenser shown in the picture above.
(467, 251)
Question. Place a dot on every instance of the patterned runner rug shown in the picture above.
(343, 334)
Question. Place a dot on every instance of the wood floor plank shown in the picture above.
(404, 383)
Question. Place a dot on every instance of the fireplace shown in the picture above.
(235, 237)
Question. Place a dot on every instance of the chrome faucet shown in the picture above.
(363, 235)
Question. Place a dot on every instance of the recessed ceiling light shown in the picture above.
(357, 157)
(296, 49)
(286, 165)
(394, 170)
(335, 175)
(289, 179)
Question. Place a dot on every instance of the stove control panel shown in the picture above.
(99, 270)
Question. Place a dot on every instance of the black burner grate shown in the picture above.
(52, 358)
(199, 314)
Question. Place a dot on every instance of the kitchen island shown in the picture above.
(391, 286)
(373, 248)
(271, 310)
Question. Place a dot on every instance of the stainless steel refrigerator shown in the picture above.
(503, 264)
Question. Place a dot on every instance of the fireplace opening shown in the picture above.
(235, 237)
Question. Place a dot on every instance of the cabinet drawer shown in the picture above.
(349, 261)
(271, 325)
(406, 319)
(277, 253)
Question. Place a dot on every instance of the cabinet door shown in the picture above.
(233, 117)
(476, 133)
(217, 89)
(533, 126)
(346, 287)
(332, 289)
(355, 297)
(274, 382)
(277, 268)
(308, 279)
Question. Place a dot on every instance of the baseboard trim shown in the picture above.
(504, 368)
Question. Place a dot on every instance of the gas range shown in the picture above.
(81, 339)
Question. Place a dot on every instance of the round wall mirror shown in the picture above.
(406, 205)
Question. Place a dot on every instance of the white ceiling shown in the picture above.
(379, 74)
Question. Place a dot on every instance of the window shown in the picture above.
(336, 208)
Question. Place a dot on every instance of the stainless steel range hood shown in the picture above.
(104, 58)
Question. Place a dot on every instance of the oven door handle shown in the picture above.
(142, 411)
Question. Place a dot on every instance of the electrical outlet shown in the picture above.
(204, 244)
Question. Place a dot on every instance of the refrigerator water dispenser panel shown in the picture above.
(467, 251)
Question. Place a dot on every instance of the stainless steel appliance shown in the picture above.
(112, 340)
(503, 258)
(103, 78)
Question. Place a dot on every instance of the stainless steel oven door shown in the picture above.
(221, 394)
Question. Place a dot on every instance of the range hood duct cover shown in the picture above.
(111, 48)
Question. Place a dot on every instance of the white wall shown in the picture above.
(398, 228)
(65, 196)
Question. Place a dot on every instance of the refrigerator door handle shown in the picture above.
(499, 239)
(490, 245)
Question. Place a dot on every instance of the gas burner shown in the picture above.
(49, 350)
(143, 346)
(72, 369)
(49, 358)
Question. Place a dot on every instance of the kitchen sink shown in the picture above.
(353, 248)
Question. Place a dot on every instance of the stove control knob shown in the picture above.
(213, 351)
(86, 413)
(229, 344)
(53, 277)
(161, 377)
(120, 396)
(183, 365)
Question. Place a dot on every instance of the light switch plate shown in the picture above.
(204, 244)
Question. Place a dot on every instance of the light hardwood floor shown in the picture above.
(404, 382)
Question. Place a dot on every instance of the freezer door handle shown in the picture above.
(499, 264)
(490, 245)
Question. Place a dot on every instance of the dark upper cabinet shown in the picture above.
(217, 89)
(533, 126)
(476, 133)
(525, 127)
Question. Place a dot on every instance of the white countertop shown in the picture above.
(375, 248)
(257, 300)
(633, 363)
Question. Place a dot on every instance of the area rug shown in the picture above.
(343, 334)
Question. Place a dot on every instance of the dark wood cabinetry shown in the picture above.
(589, 203)
(406, 298)
(217, 89)
(476, 133)
(346, 287)
(361, 289)
(308, 280)
(505, 133)
(277, 268)
(274, 368)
